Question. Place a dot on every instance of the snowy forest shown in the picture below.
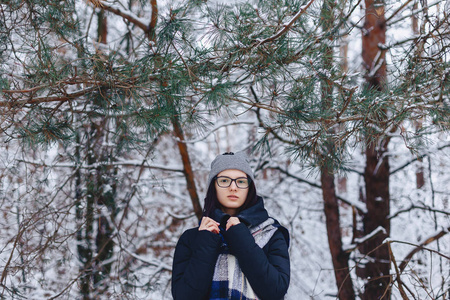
(112, 111)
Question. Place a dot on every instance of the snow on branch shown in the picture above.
(361, 240)
(364, 239)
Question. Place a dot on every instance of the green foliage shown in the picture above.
(42, 130)
(4, 84)
(203, 61)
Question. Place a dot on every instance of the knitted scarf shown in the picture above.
(229, 282)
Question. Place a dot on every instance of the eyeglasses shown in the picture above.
(224, 182)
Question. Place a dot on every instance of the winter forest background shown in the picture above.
(111, 112)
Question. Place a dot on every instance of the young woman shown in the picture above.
(238, 251)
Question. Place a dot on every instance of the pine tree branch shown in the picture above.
(287, 26)
(268, 128)
(131, 164)
(38, 100)
(259, 105)
(127, 15)
(149, 29)
(217, 127)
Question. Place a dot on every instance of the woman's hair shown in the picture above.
(211, 202)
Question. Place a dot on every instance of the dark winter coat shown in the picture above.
(267, 269)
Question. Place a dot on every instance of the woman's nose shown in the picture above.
(233, 186)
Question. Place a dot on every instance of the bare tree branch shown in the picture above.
(398, 10)
(416, 159)
(422, 245)
(411, 207)
(399, 280)
(361, 208)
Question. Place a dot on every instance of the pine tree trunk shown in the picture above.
(103, 241)
(376, 174)
(102, 29)
(339, 257)
(377, 269)
(343, 53)
(420, 177)
(331, 206)
(91, 192)
(95, 266)
(82, 245)
(101, 157)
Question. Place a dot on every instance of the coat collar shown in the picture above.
(251, 216)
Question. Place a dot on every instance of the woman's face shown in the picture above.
(232, 197)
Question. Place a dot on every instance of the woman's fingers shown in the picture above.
(209, 224)
(213, 226)
(232, 221)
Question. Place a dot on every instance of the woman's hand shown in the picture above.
(210, 225)
(232, 221)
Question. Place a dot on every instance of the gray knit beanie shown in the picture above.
(230, 160)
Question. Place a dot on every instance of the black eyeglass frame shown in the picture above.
(235, 181)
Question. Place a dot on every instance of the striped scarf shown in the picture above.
(229, 282)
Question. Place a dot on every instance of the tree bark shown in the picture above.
(376, 174)
(339, 257)
(331, 206)
(102, 30)
(374, 35)
(420, 176)
(376, 178)
(188, 172)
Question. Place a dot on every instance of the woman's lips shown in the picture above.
(233, 197)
